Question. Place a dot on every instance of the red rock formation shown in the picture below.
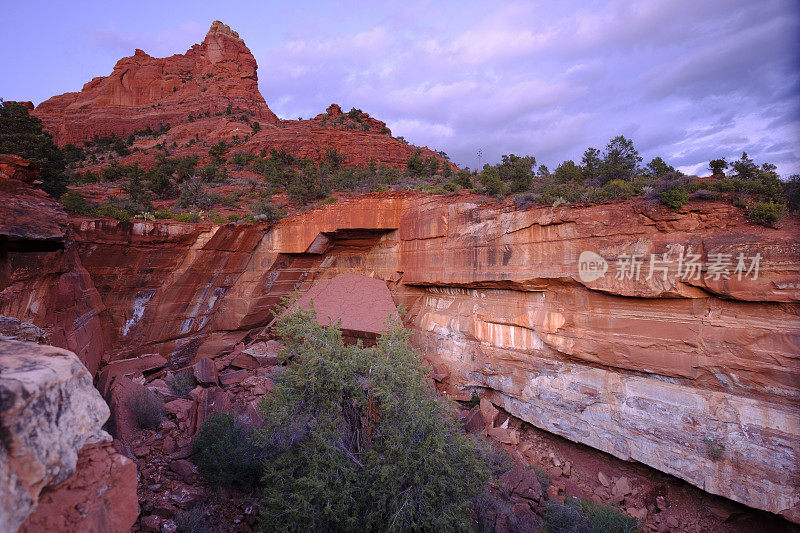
(41, 278)
(661, 369)
(99, 496)
(651, 370)
(144, 91)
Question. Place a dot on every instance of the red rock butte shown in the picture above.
(201, 94)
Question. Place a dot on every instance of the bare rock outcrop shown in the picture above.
(49, 411)
(144, 91)
(211, 93)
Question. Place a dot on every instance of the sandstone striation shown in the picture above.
(143, 91)
(659, 369)
(41, 277)
(696, 376)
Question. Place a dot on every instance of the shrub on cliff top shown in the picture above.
(766, 213)
(674, 198)
(356, 440)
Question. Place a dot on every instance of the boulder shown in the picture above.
(205, 372)
(210, 402)
(49, 411)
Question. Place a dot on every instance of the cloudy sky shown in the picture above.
(689, 80)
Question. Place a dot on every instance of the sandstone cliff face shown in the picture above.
(41, 277)
(48, 413)
(145, 91)
(663, 369)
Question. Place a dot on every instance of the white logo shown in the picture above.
(591, 266)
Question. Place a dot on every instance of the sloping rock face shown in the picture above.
(27, 213)
(49, 411)
(41, 278)
(696, 376)
(361, 305)
(144, 91)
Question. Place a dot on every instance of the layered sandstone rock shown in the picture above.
(41, 278)
(48, 413)
(144, 91)
(693, 375)
(204, 95)
(663, 369)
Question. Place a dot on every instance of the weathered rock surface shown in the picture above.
(361, 305)
(49, 410)
(13, 329)
(144, 91)
(27, 213)
(663, 369)
(100, 497)
(42, 280)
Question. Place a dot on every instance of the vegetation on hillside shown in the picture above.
(23, 135)
(615, 173)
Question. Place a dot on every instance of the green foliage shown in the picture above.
(193, 521)
(138, 200)
(73, 154)
(620, 160)
(657, 167)
(146, 407)
(591, 163)
(182, 382)
(218, 151)
(766, 213)
(191, 216)
(744, 167)
(241, 158)
(675, 198)
(714, 449)
(354, 114)
(718, 166)
(585, 516)
(490, 181)
(568, 171)
(264, 211)
(110, 211)
(74, 202)
(23, 135)
(517, 172)
(227, 455)
(192, 194)
(356, 440)
(791, 191)
(415, 164)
